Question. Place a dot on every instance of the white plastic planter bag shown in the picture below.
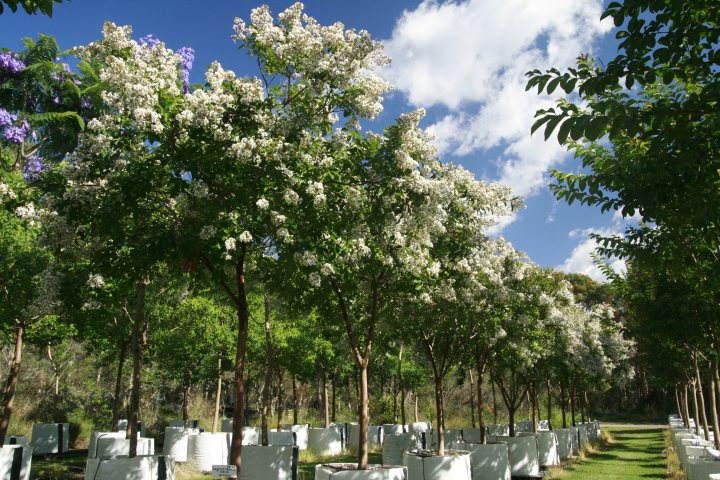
(543, 424)
(176, 442)
(208, 449)
(15, 462)
(420, 427)
(584, 437)
(21, 440)
(183, 423)
(395, 445)
(326, 472)
(50, 438)
(251, 435)
(449, 467)
(325, 441)
(279, 439)
(575, 440)
(523, 455)
(454, 435)
(498, 430)
(226, 425)
(471, 435)
(374, 436)
(548, 449)
(123, 423)
(106, 447)
(95, 436)
(151, 467)
(273, 462)
(487, 462)
(392, 429)
(301, 435)
(701, 468)
(565, 442)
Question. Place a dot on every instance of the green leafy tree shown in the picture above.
(30, 6)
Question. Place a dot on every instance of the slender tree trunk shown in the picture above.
(677, 400)
(326, 402)
(186, 399)
(696, 407)
(265, 407)
(138, 342)
(401, 388)
(295, 401)
(218, 394)
(549, 404)
(56, 372)
(494, 399)
(334, 401)
(573, 395)
(240, 400)
(713, 406)
(440, 412)
(511, 419)
(701, 397)
(403, 417)
(118, 400)
(480, 402)
(583, 406)
(563, 404)
(11, 384)
(472, 399)
(280, 397)
(533, 407)
(364, 416)
(416, 406)
(686, 403)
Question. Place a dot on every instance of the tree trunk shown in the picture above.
(56, 370)
(240, 400)
(686, 404)
(587, 405)
(138, 342)
(440, 412)
(533, 407)
(280, 396)
(326, 403)
(701, 396)
(400, 388)
(364, 415)
(416, 406)
(334, 401)
(480, 403)
(265, 407)
(11, 385)
(696, 408)
(563, 404)
(549, 404)
(713, 406)
(472, 399)
(573, 394)
(511, 419)
(118, 400)
(295, 401)
(186, 399)
(218, 394)
(494, 398)
(581, 406)
(403, 417)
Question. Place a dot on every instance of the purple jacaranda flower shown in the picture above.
(149, 41)
(16, 134)
(6, 118)
(10, 62)
(33, 168)
(85, 104)
(56, 100)
(187, 57)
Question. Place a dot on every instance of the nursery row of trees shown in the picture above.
(645, 126)
(131, 199)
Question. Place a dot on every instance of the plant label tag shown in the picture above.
(224, 471)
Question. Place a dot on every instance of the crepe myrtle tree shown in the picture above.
(253, 149)
(529, 300)
(444, 301)
(113, 195)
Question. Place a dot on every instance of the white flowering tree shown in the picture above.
(446, 300)
(253, 151)
(111, 200)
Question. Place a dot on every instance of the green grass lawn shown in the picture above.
(633, 454)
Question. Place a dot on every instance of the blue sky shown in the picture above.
(463, 61)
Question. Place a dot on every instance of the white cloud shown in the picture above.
(580, 260)
(471, 57)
